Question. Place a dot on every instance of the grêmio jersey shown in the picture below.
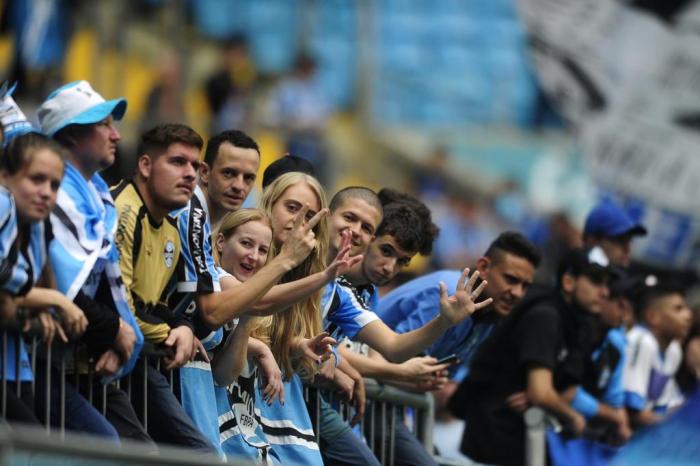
(149, 254)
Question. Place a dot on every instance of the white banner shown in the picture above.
(630, 85)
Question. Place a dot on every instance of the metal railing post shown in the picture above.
(104, 400)
(18, 365)
(4, 372)
(318, 415)
(392, 434)
(90, 387)
(63, 395)
(34, 350)
(145, 392)
(382, 436)
(427, 423)
(372, 426)
(535, 443)
(47, 409)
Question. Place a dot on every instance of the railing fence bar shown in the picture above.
(392, 437)
(63, 395)
(145, 392)
(382, 436)
(34, 350)
(18, 365)
(4, 372)
(47, 411)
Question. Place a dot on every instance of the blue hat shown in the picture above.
(608, 219)
(77, 103)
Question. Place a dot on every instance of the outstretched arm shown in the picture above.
(453, 309)
(218, 308)
(282, 296)
(416, 370)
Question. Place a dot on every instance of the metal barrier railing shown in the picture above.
(26, 445)
(70, 363)
(386, 405)
(535, 437)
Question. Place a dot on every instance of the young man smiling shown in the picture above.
(358, 212)
(354, 212)
(508, 265)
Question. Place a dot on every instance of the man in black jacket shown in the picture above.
(536, 354)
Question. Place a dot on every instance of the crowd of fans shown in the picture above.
(249, 305)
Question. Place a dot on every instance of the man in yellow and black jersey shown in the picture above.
(149, 248)
(147, 238)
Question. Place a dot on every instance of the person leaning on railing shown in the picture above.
(31, 168)
(85, 259)
(149, 255)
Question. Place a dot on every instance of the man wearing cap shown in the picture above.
(83, 252)
(611, 228)
(535, 355)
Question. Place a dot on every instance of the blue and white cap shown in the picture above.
(14, 122)
(77, 103)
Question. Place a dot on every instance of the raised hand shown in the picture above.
(316, 349)
(342, 263)
(302, 240)
(462, 304)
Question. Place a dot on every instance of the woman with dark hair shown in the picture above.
(31, 168)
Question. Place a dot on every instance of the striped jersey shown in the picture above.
(149, 254)
(345, 311)
(648, 376)
(197, 272)
(20, 268)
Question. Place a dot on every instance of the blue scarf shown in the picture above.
(84, 223)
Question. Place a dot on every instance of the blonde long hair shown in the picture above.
(303, 318)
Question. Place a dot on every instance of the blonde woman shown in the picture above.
(242, 245)
(241, 248)
(295, 334)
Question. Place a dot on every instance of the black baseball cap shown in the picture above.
(591, 262)
(286, 164)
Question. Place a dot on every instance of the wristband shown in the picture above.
(334, 350)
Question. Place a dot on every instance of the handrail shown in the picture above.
(423, 402)
(387, 405)
(21, 439)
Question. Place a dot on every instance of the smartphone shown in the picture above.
(451, 359)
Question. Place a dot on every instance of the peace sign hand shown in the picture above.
(343, 262)
(462, 304)
(302, 240)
